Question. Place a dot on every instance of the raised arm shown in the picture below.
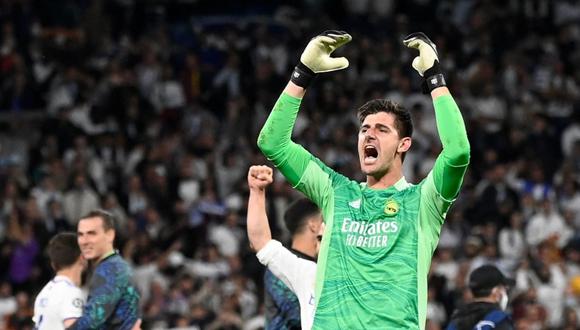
(284, 264)
(452, 163)
(275, 138)
(259, 177)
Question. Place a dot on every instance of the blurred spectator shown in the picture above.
(79, 200)
(8, 303)
(512, 244)
(21, 318)
(24, 251)
(227, 236)
(547, 224)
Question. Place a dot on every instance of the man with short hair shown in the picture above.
(289, 271)
(61, 300)
(489, 288)
(303, 220)
(380, 235)
(113, 300)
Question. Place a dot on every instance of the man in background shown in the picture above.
(61, 301)
(489, 288)
(113, 299)
(303, 220)
(288, 270)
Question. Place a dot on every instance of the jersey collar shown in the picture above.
(402, 184)
(62, 278)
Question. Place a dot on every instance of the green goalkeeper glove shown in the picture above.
(427, 63)
(316, 57)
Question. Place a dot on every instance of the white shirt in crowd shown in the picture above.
(59, 300)
(512, 247)
(542, 226)
(297, 273)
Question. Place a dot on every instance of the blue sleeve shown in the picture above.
(286, 314)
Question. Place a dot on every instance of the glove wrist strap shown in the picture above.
(433, 78)
(433, 82)
(302, 75)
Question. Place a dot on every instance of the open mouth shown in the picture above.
(371, 154)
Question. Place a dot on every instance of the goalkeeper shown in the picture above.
(380, 234)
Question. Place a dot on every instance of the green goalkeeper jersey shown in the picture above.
(377, 248)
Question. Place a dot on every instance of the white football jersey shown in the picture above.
(59, 300)
(297, 273)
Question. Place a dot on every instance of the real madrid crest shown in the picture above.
(391, 208)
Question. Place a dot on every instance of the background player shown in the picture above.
(113, 299)
(380, 236)
(297, 273)
(61, 300)
(282, 308)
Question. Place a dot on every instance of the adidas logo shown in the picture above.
(355, 204)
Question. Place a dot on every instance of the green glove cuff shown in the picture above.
(302, 75)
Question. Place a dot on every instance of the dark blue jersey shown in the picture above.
(113, 301)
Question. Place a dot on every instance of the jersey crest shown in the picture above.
(391, 207)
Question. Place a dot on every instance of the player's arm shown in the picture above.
(275, 137)
(72, 306)
(103, 298)
(281, 262)
(452, 163)
(259, 177)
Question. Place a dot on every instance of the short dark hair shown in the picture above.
(403, 121)
(107, 217)
(63, 250)
(297, 213)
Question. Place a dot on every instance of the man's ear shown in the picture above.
(313, 225)
(110, 236)
(496, 293)
(404, 144)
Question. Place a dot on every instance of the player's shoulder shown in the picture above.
(69, 292)
(62, 285)
(114, 265)
(57, 291)
(337, 178)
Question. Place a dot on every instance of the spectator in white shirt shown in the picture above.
(227, 236)
(80, 200)
(8, 303)
(548, 223)
(512, 245)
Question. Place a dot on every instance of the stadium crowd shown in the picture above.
(151, 110)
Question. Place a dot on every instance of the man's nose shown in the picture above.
(369, 134)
